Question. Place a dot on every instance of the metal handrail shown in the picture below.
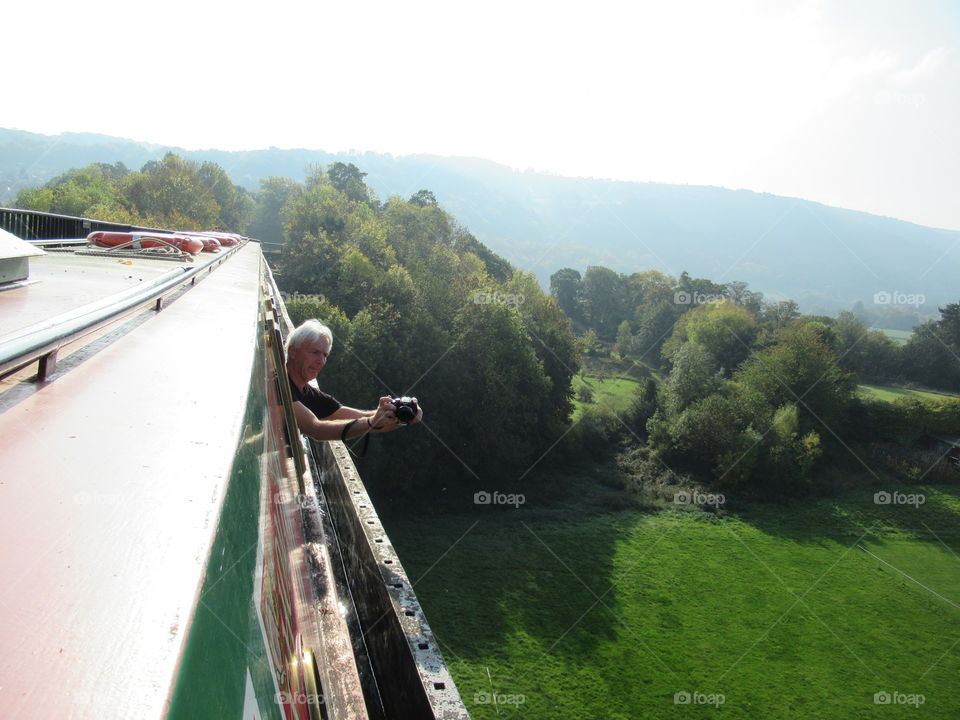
(40, 342)
(56, 243)
(39, 214)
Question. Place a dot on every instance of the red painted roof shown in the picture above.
(111, 483)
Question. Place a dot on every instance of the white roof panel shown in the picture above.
(13, 247)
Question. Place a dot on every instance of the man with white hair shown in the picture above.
(321, 416)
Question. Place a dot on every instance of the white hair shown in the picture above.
(308, 331)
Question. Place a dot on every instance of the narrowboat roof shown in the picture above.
(113, 475)
(61, 282)
(13, 247)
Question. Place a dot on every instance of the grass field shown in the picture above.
(614, 394)
(891, 392)
(899, 336)
(572, 606)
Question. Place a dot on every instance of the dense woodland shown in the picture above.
(736, 391)
(754, 394)
(639, 314)
(167, 193)
(826, 258)
(419, 307)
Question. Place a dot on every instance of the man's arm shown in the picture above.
(349, 413)
(330, 428)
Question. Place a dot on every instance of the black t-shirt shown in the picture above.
(321, 404)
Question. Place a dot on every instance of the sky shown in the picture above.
(853, 103)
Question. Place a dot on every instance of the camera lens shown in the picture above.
(405, 409)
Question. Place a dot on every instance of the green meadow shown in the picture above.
(892, 392)
(577, 605)
(611, 393)
(901, 337)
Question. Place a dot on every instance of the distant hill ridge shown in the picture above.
(826, 258)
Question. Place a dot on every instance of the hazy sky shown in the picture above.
(855, 104)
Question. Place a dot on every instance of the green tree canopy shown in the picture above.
(422, 307)
(802, 369)
(604, 298)
(565, 286)
(422, 198)
(724, 329)
(170, 193)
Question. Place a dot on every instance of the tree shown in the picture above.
(235, 204)
(497, 267)
(932, 355)
(706, 438)
(604, 297)
(421, 306)
(412, 231)
(552, 338)
(724, 329)
(654, 323)
(696, 291)
(347, 178)
(861, 312)
(589, 343)
(565, 287)
(737, 291)
(422, 198)
(320, 207)
(779, 315)
(930, 359)
(76, 191)
(172, 192)
(800, 368)
(648, 288)
(694, 376)
(625, 339)
(496, 363)
(269, 202)
(35, 198)
(869, 353)
(950, 325)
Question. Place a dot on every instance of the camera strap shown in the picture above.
(366, 440)
(346, 429)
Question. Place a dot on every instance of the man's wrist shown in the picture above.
(346, 430)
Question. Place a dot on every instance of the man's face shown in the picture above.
(310, 357)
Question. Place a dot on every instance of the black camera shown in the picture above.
(405, 408)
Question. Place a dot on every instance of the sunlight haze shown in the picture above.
(853, 104)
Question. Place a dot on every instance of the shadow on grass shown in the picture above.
(920, 512)
(506, 588)
(530, 574)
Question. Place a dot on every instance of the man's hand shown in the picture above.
(384, 418)
(419, 416)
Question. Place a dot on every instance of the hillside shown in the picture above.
(826, 258)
